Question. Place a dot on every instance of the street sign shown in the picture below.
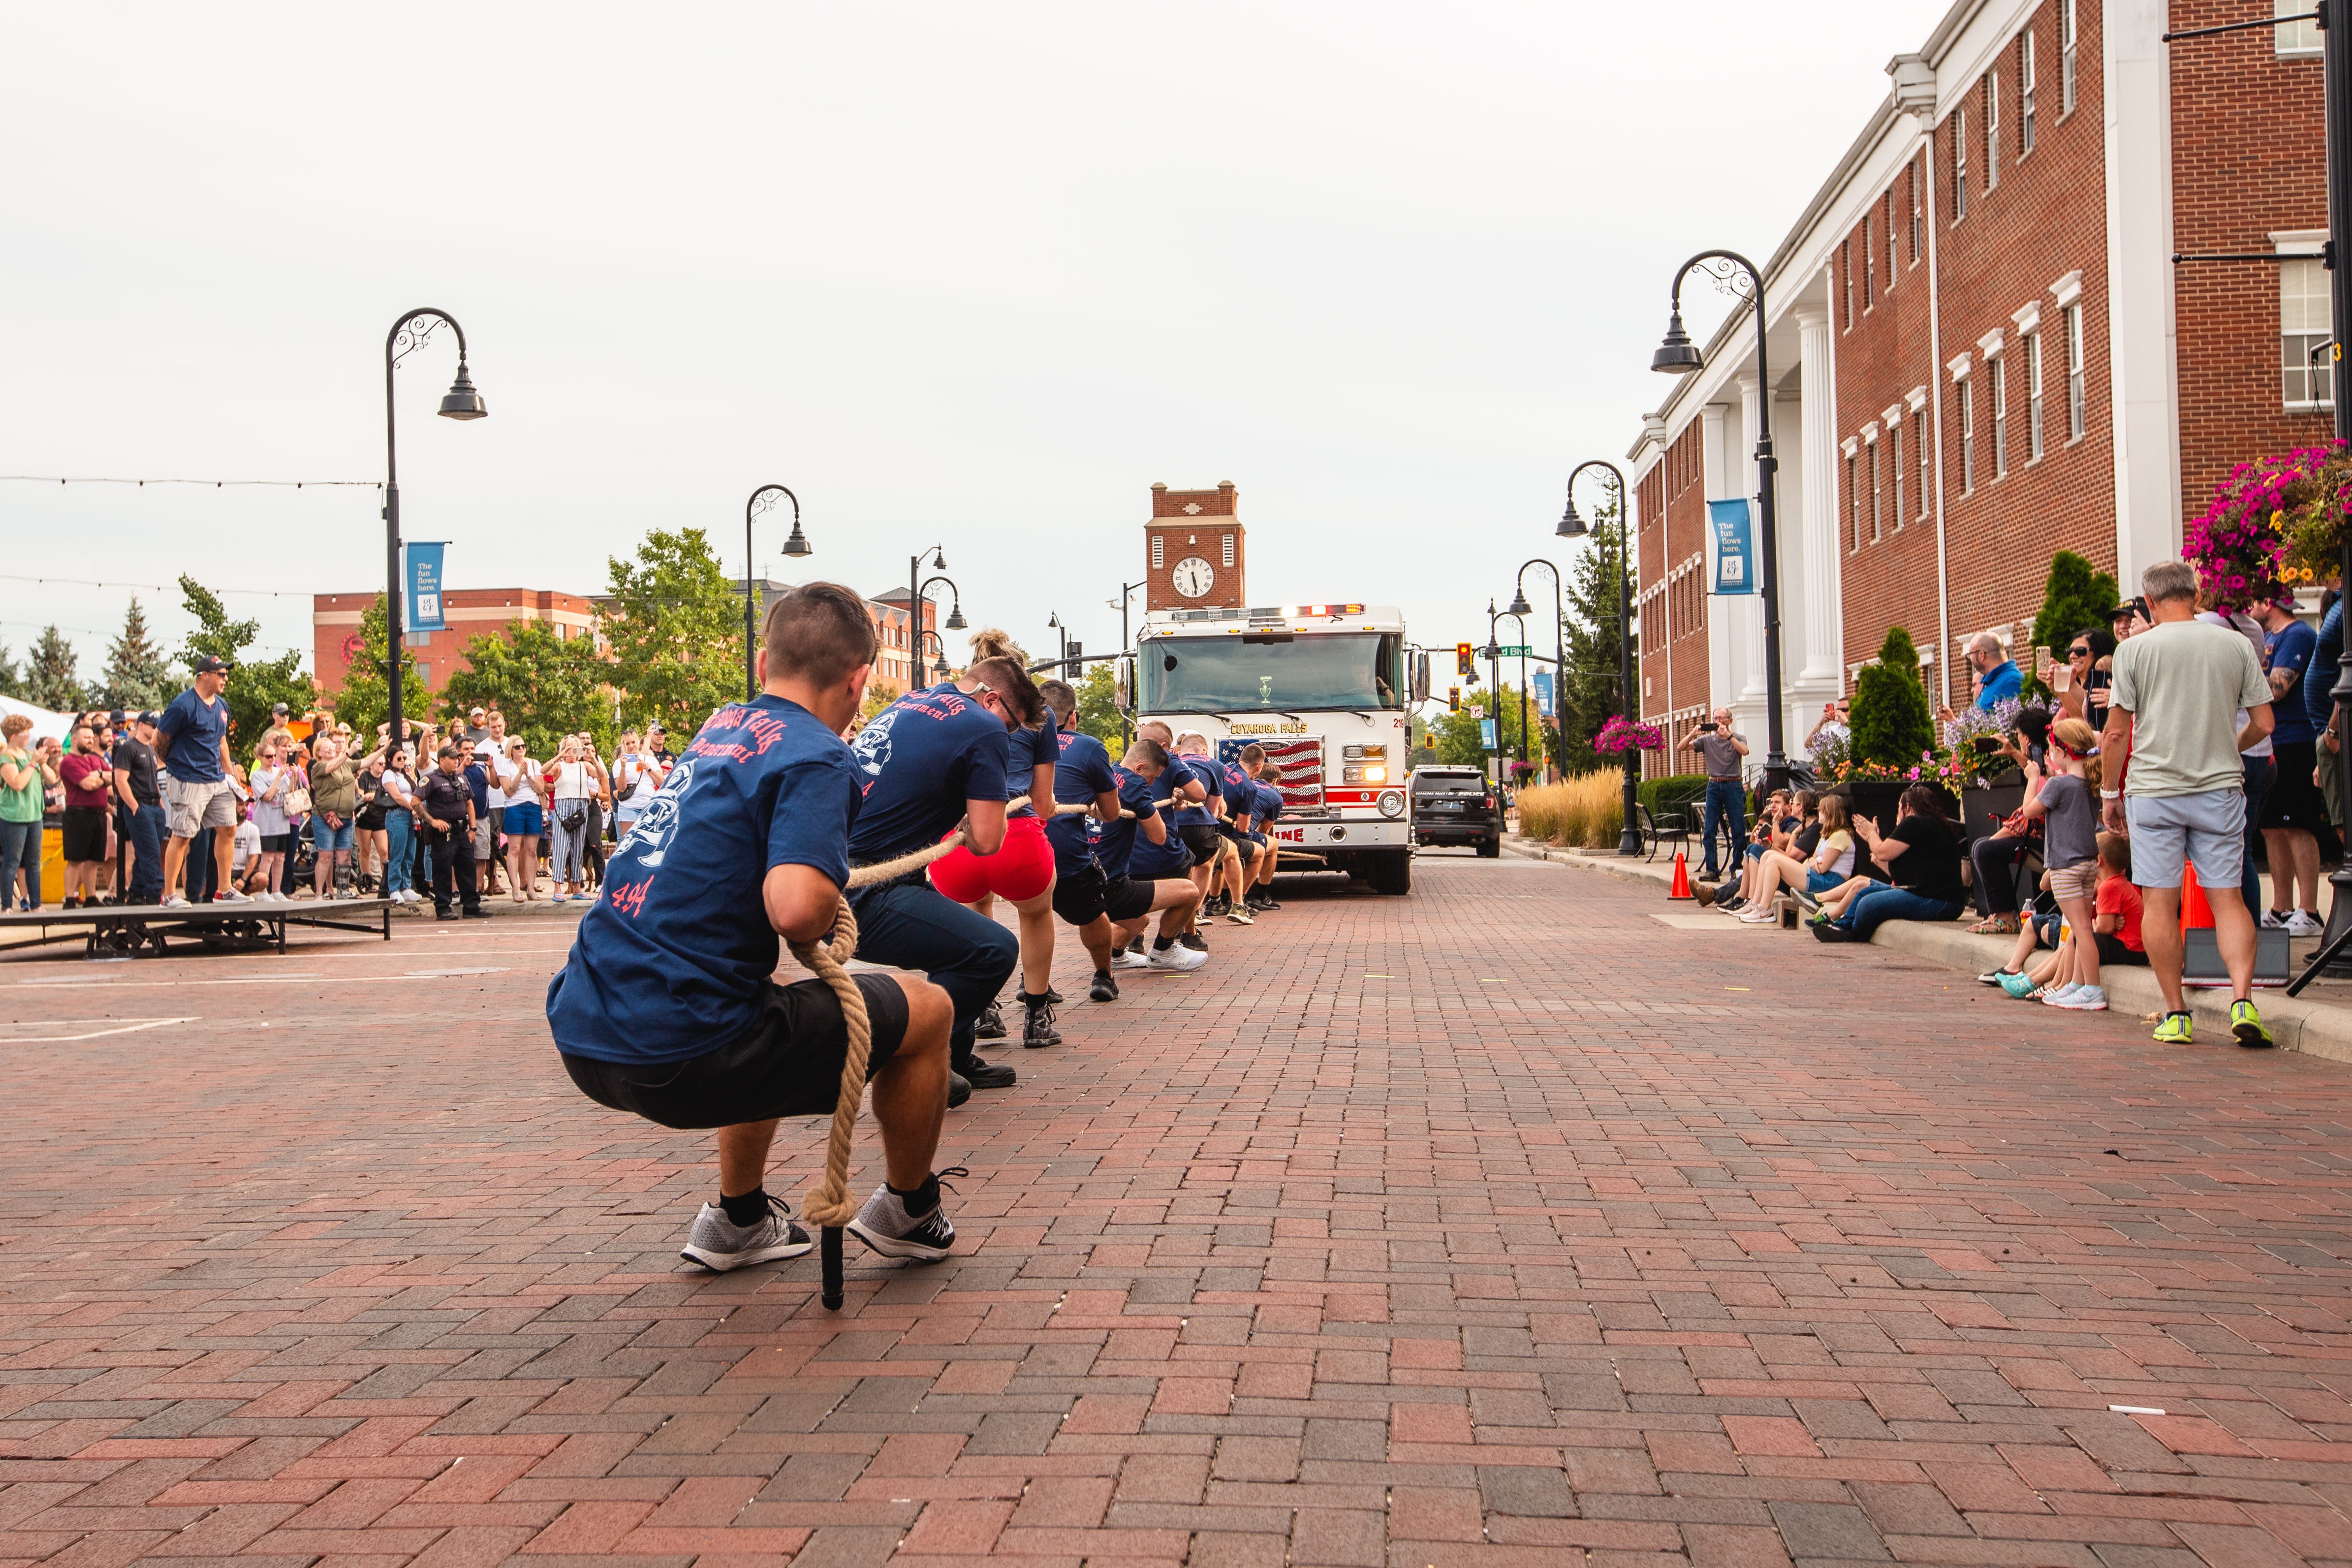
(1487, 733)
(1520, 652)
(1477, 710)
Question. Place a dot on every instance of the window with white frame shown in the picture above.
(1968, 435)
(2025, 81)
(1919, 445)
(2304, 329)
(1853, 499)
(1158, 554)
(1893, 271)
(1992, 129)
(2066, 56)
(1959, 165)
(2073, 318)
(1845, 266)
(2296, 38)
(1869, 261)
(2034, 397)
(1918, 241)
(1877, 499)
(1894, 466)
(1999, 417)
(1229, 550)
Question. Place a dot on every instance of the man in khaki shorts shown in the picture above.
(191, 755)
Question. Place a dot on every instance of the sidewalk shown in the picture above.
(2318, 1022)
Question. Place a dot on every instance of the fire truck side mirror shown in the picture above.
(1420, 677)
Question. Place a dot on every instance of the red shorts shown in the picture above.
(1020, 871)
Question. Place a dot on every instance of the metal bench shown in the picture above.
(144, 930)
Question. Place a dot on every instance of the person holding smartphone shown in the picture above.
(1724, 754)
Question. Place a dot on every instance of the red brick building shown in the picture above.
(1196, 556)
(1982, 353)
(469, 612)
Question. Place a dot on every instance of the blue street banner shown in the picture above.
(1487, 733)
(1735, 570)
(1541, 680)
(421, 588)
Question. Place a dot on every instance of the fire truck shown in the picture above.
(1325, 688)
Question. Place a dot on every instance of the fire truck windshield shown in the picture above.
(1311, 670)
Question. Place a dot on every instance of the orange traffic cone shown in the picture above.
(1681, 887)
(2196, 915)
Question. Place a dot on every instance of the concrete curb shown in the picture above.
(2316, 1028)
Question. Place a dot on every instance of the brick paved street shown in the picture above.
(1493, 1226)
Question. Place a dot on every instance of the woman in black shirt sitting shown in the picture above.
(1922, 861)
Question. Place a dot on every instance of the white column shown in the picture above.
(1821, 673)
(2143, 384)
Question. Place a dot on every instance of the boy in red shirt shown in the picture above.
(2116, 927)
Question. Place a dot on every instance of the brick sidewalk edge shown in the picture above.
(2316, 1028)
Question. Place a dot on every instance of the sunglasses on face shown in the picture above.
(2078, 653)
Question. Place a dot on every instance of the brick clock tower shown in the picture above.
(1194, 554)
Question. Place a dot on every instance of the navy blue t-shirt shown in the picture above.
(1204, 772)
(1114, 845)
(2291, 648)
(920, 760)
(192, 729)
(2319, 680)
(1239, 789)
(477, 779)
(1269, 804)
(674, 960)
(1026, 749)
(1083, 775)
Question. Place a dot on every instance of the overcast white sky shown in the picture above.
(973, 274)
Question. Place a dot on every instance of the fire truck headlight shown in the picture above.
(1392, 803)
(1376, 774)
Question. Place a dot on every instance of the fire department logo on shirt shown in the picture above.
(649, 835)
(872, 747)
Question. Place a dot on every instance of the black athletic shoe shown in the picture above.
(992, 1024)
(1052, 997)
(1260, 904)
(987, 1075)
(1039, 1029)
(1215, 905)
(1137, 945)
(959, 1089)
(1192, 939)
(474, 912)
(1105, 988)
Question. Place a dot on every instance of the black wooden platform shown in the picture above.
(142, 930)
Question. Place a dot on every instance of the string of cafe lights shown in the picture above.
(207, 484)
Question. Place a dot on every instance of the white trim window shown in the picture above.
(2297, 40)
(1845, 267)
(1959, 165)
(1877, 499)
(1919, 444)
(1894, 464)
(2025, 81)
(1918, 240)
(1158, 552)
(1992, 129)
(2066, 36)
(1893, 271)
(1229, 551)
(2074, 318)
(2303, 326)
(2034, 397)
(1853, 497)
(1869, 259)
(1966, 393)
(2000, 418)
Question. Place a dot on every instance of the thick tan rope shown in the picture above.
(828, 1204)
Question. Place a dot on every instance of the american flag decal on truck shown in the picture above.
(1298, 762)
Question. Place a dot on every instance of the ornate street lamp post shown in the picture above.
(461, 402)
(1572, 526)
(954, 623)
(762, 500)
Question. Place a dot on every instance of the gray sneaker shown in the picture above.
(719, 1244)
(885, 1224)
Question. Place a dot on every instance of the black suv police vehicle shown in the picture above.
(1456, 805)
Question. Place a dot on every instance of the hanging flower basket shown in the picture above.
(2272, 525)
(1618, 735)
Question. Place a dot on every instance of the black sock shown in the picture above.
(747, 1208)
(1162, 944)
(1102, 975)
(918, 1201)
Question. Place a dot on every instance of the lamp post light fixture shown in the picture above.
(408, 334)
(1062, 657)
(1572, 526)
(915, 606)
(1677, 355)
(954, 623)
(762, 500)
(1520, 607)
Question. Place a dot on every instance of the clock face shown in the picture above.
(1193, 577)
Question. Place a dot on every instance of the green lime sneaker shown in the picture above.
(2246, 1023)
(2174, 1031)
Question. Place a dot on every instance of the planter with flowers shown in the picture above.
(2272, 525)
(1620, 735)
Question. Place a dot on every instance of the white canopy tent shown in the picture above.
(45, 723)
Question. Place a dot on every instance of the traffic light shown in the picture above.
(1076, 656)
(1454, 699)
(1464, 661)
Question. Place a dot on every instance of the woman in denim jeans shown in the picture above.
(1922, 858)
(399, 827)
(21, 784)
(334, 805)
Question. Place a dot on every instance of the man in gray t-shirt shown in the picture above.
(1724, 752)
(2172, 743)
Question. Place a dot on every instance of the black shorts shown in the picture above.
(789, 1065)
(1078, 900)
(275, 843)
(1201, 839)
(85, 834)
(2111, 950)
(2294, 801)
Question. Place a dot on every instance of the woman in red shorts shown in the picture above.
(1022, 873)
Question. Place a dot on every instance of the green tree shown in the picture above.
(1891, 722)
(676, 631)
(547, 686)
(51, 680)
(1457, 735)
(11, 683)
(2076, 598)
(138, 673)
(366, 700)
(255, 685)
(1098, 713)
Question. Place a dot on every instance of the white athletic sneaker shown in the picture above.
(1762, 917)
(1123, 958)
(1179, 957)
(2274, 920)
(230, 895)
(2057, 995)
(885, 1224)
(719, 1244)
(2302, 922)
(2081, 999)
(173, 902)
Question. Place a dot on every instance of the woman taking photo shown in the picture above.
(399, 803)
(271, 782)
(523, 797)
(1922, 861)
(20, 813)
(368, 829)
(571, 783)
(334, 803)
(1831, 862)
